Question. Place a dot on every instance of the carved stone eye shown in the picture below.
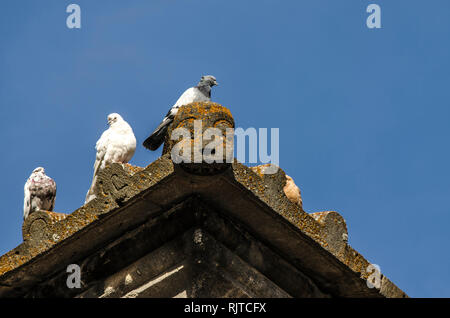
(223, 124)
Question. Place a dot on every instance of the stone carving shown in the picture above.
(114, 181)
(34, 228)
(334, 230)
(211, 115)
(153, 205)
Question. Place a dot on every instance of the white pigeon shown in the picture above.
(199, 93)
(40, 193)
(116, 145)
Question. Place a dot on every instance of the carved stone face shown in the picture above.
(210, 127)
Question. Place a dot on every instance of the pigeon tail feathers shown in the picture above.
(157, 137)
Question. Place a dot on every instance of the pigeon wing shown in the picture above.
(26, 200)
(191, 95)
(101, 146)
(43, 193)
(52, 193)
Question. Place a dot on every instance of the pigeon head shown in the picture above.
(208, 80)
(39, 170)
(114, 118)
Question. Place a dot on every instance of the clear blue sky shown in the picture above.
(363, 114)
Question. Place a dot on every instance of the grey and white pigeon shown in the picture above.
(199, 93)
(40, 193)
(116, 145)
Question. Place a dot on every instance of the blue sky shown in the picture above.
(363, 113)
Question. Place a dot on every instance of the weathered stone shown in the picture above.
(34, 228)
(334, 230)
(168, 231)
(210, 115)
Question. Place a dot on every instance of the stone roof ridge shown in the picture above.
(123, 185)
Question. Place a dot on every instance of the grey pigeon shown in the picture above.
(116, 144)
(40, 193)
(199, 93)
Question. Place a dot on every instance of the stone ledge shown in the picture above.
(128, 189)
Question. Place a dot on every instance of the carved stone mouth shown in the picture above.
(204, 169)
(211, 115)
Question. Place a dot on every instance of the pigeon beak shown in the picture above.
(215, 83)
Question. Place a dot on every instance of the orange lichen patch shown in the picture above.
(186, 123)
(204, 108)
(130, 169)
(259, 170)
(19, 256)
(319, 216)
(56, 217)
(355, 261)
